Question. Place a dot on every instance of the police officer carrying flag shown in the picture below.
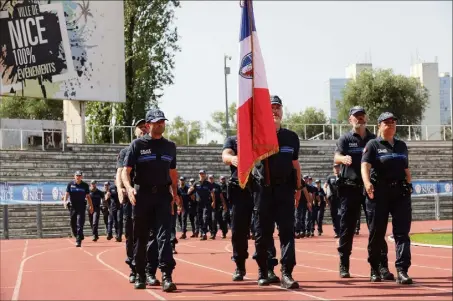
(153, 195)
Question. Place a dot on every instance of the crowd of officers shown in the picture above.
(148, 199)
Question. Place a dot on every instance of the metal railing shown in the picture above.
(25, 139)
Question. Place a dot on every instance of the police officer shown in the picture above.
(241, 217)
(185, 212)
(320, 197)
(204, 194)
(193, 215)
(226, 214)
(218, 210)
(116, 213)
(77, 190)
(348, 153)
(105, 205)
(275, 202)
(140, 130)
(388, 190)
(97, 197)
(153, 195)
(311, 214)
(331, 187)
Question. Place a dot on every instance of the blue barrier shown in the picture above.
(52, 192)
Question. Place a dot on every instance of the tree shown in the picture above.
(299, 122)
(17, 107)
(379, 91)
(218, 124)
(150, 47)
(184, 132)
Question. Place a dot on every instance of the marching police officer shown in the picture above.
(116, 212)
(97, 197)
(388, 190)
(331, 187)
(205, 198)
(184, 197)
(226, 214)
(77, 190)
(348, 153)
(140, 130)
(320, 199)
(218, 210)
(276, 202)
(153, 195)
(241, 217)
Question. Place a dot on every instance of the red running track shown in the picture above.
(54, 269)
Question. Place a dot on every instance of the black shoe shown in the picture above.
(203, 237)
(223, 236)
(95, 238)
(183, 236)
(271, 277)
(174, 251)
(252, 237)
(297, 236)
(238, 275)
(375, 276)
(109, 237)
(319, 233)
(312, 234)
(357, 232)
(212, 237)
(140, 282)
(288, 282)
(132, 277)
(262, 278)
(152, 280)
(344, 271)
(302, 235)
(118, 239)
(403, 278)
(336, 236)
(78, 244)
(386, 274)
(167, 283)
(193, 235)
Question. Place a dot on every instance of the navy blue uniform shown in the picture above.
(318, 209)
(152, 159)
(311, 215)
(275, 203)
(116, 214)
(97, 197)
(217, 212)
(351, 192)
(202, 191)
(391, 195)
(227, 214)
(334, 202)
(77, 194)
(186, 206)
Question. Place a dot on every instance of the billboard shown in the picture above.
(62, 49)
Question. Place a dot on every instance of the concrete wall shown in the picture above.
(19, 133)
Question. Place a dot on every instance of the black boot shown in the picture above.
(152, 280)
(386, 274)
(140, 282)
(167, 283)
(262, 277)
(287, 279)
(375, 276)
(240, 272)
(132, 276)
(271, 277)
(403, 278)
(344, 269)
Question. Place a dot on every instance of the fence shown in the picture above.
(56, 139)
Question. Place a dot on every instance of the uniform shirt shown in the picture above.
(182, 192)
(96, 197)
(232, 143)
(281, 163)
(224, 188)
(203, 190)
(332, 184)
(321, 194)
(351, 144)
(217, 189)
(121, 163)
(387, 163)
(153, 159)
(77, 192)
(114, 200)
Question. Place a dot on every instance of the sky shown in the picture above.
(303, 44)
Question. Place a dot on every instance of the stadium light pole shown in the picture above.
(226, 72)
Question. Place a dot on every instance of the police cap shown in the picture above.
(78, 173)
(182, 178)
(211, 176)
(192, 180)
(275, 100)
(139, 122)
(155, 115)
(106, 183)
(93, 182)
(222, 178)
(318, 181)
(202, 171)
(305, 176)
(385, 116)
(356, 109)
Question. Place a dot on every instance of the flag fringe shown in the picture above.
(260, 158)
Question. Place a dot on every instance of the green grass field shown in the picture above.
(433, 238)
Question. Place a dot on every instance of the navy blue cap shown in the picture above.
(192, 180)
(222, 178)
(155, 115)
(276, 100)
(305, 177)
(78, 173)
(202, 171)
(182, 178)
(139, 122)
(310, 178)
(106, 183)
(356, 109)
(93, 182)
(211, 176)
(385, 116)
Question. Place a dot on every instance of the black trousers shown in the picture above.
(116, 221)
(129, 233)
(94, 220)
(351, 199)
(334, 213)
(105, 216)
(77, 213)
(395, 200)
(242, 209)
(217, 218)
(152, 212)
(274, 205)
(204, 215)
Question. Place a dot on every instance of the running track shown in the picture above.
(51, 269)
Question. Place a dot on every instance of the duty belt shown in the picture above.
(153, 188)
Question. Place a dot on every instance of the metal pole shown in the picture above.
(226, 72)
(5, 222)
(21, 140)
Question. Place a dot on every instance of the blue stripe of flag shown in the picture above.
(245, 22)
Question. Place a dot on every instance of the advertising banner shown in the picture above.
(62, 49)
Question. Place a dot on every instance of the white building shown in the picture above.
(445, 98)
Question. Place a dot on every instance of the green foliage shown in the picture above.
(183, 132)
(150, 47)
(16, 107)
(298, 122)
(218, 124)
(381, 90)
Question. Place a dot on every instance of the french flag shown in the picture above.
(256, 133)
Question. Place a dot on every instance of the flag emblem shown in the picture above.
(246, 68)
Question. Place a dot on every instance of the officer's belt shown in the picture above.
(351, 182)
(391, 183)
(153, 188)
